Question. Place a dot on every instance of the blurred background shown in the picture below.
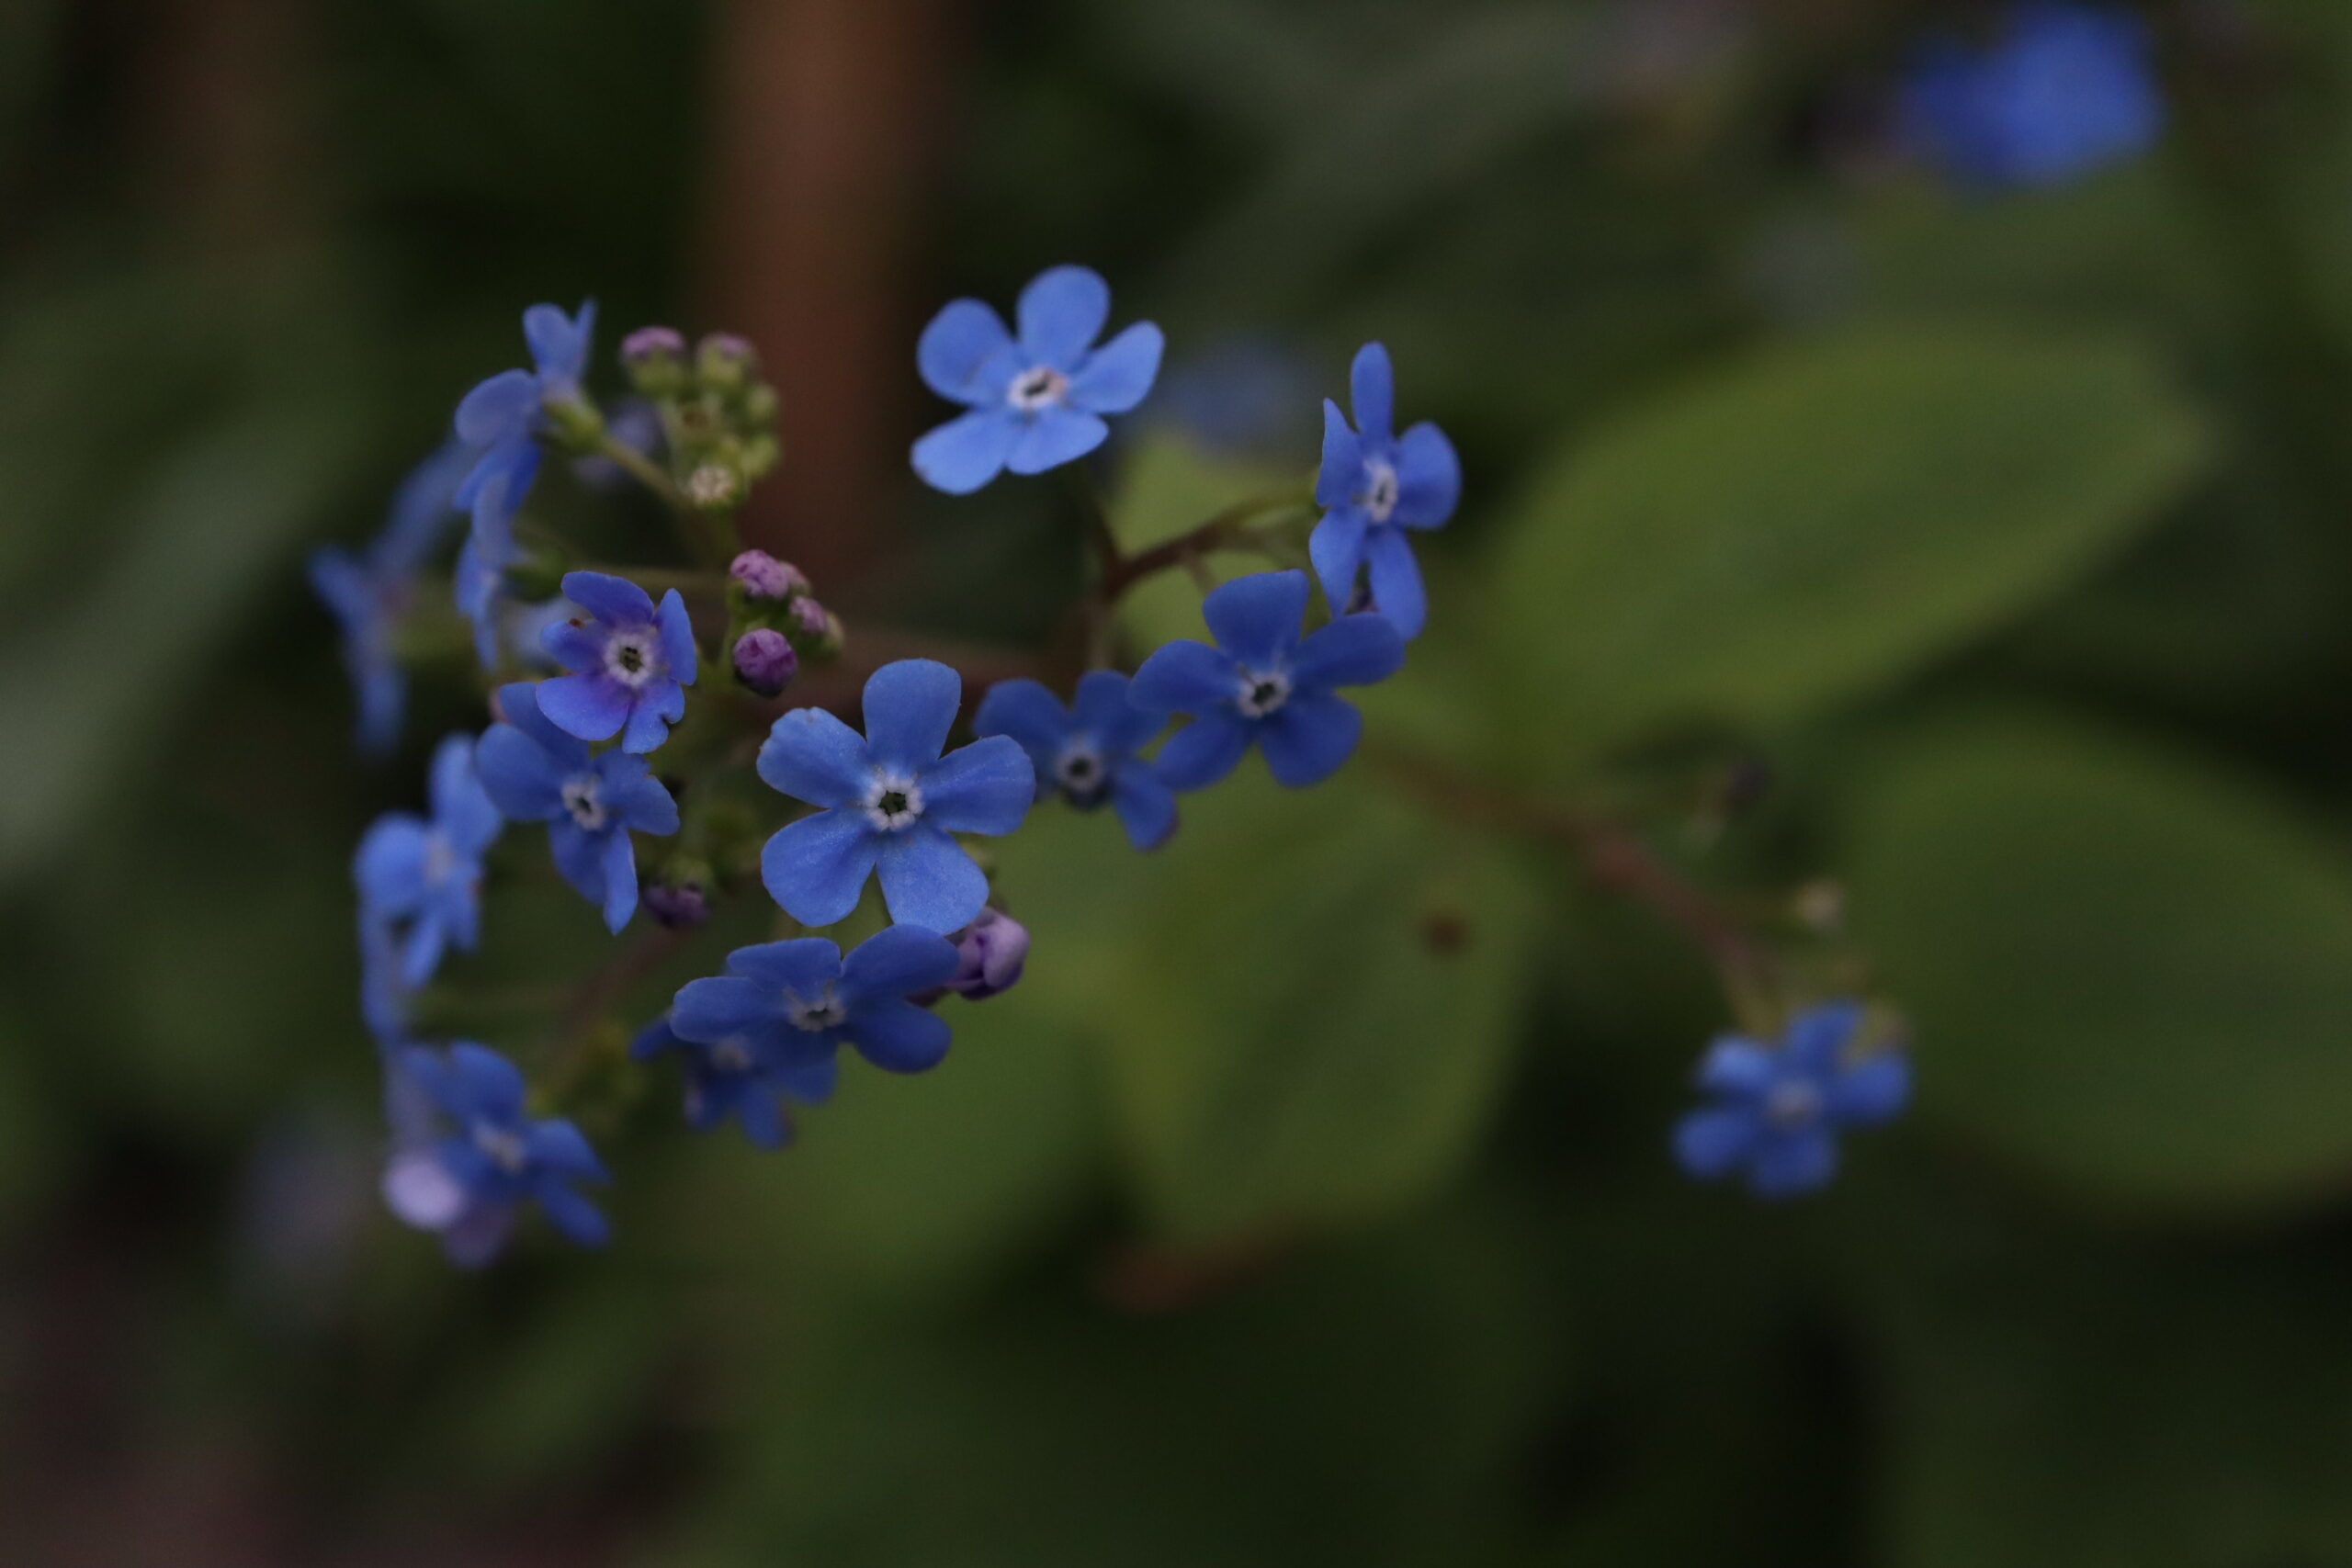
(1930, 525)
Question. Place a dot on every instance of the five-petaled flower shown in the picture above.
(890, 800)
(630, 663)
(743, 1077)
(2068, 90)
(1086, 753)
(1037, 401)
(1263, 683)
(467, 1183)
(424, 874)
(536, 773)
(1779, 1109)
(370, 593)
(791, 1004)
(505, 415)
(1374, 484)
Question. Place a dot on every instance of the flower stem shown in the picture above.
(704, 535)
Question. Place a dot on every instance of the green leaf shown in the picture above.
(2127, 970)
(1822, 519)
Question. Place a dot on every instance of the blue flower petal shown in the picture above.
(1337, 549)
(760, 1115)
(1342, 470)
(1119, 375)
(811, 1083)
(811, 755)
(559, 1147)
(648, 724)
(986, 787)
(1033, 716)
(523, 781)
(638, 801)
(1354, 650)
(616, 600)
(1053, 436)
(929, 881)
(1061, 313)
(1735, 1065)
(580, 648)
(620, 881)
(816, 868)
(517, 704)
(910, 708)
(724, 1006)
(498, 409)
(1716, 1140)
(592, 706)
(1873, 1091)
(1308, 738)
(896, 963)
(488, 1086)
(1204, 751)
(966, 355)
(1788, 1164)
(898, 1036)
(1396, 590)
(1372, 391)
(1120, 726)
(580, 857)
(678, 639)
(1818, 1036)
(1256, 618)
(1429, 479)
(579, 1221)
(969, 451)
(804, 965)
(1146, 806)
(389, 865)
(1185, 677)
(560, 343)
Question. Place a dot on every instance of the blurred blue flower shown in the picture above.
(743, 1077)
(1086, 753)
(533, 771)
(630, 663)
(424, 874)
(890, 800)
(1241, 397)
(503, 417)
(384, 990)
(791, 1004)
(1376, 484)
(1036, 401)
(2068, 90)
(1262, 683)
(1779, 1110)
(371, 593)
(467, 1182)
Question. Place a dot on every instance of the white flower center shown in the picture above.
(1262, 692)
(1792, 1104)
(502, 1144)
(892, 803)
(1380, 487)
(633, 658)
(583, 798)
(1039, 387)
(1080, 771)
(731, 1056)
(815, 1017)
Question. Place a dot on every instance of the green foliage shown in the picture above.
(1814, 523)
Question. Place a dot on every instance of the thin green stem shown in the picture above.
(704, 535)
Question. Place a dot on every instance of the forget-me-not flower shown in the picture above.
(504, 417)
(890, 800)
(536, 773)
(797, 1001)
(743, 1077)
(1779, 1109)
(1263, 683)
(1376, 484)
(1037, 401)
(370, 593)
(426, 875)
(2068, 90)
(492, 1158)
(630, 663)
(1086, 753)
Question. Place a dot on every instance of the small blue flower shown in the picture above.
(630, 663)
(743, 1077)
(1262, 683)
(426, 875)
(536, 773)
(890, 800)
(1374, 485)
(1778, 1109)
(1036, 401)
(504, 415)
(2069, 90)
(371, 593)
(792, 1004)
(1086, 753)
(467, 1183)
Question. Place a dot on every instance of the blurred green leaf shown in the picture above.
(1168, 485)
(2125, 969)
(1823, 518)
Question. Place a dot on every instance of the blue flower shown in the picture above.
(630, 663)
(1262, 683)
(427, 876)
(1778, 1109)
(467, 1183)
(1376, 484)
(384, 990)
(792, 1004)
(504, 416)
(1036, 401)
(1087, 752)
(2069, 90)
(890, 800)
(742, 1077)
(371, 593)
(536, 773)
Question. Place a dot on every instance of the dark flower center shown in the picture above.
(1080, 773)
(1261, 694)
(893, 803)
(1380, 490)
(629, 658)
(584, 800)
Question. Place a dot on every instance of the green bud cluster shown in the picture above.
(717, 413)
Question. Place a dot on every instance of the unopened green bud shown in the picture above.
(758, 406)
(725, 362)
(655, 359)
(760, 455)
(577, 424)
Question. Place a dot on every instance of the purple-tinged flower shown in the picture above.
(743, 1077)
(1779, 1109)
(764, 577)
(648, 344)
(1086, 753)
(1262, 683)
(630, 663)
(1037, 400)
(679, 906)
(990, 954)
(424, 877)
(536, 773)
(890, 800)
(792, 1004)
(371, 593)
(1374, 485)
(764, 662)
(491, 1158)
(2068, 90)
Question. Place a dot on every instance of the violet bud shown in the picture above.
(993, 949)
(764, 577)
(681, 906)
(655, 359)
(764, 662)
(726, 361)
